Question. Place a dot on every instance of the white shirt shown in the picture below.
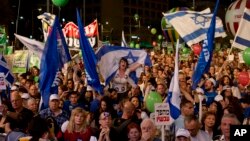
(201, 136)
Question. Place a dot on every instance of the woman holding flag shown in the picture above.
(122, 81)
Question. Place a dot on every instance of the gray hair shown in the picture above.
(31, 100)
(232, 116)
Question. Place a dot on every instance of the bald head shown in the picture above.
(147, 126)
(128, 110)
(16, 100)
(15, 95)
(128, 106)
(148, 122)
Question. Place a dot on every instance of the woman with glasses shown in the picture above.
(106, 131)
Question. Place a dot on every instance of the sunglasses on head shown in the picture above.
(106, 114)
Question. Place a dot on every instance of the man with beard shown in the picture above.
(210, 92)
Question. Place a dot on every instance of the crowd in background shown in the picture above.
(78, 113)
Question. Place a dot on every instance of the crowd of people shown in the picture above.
(79, 113)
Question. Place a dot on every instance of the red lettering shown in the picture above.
(162, 119)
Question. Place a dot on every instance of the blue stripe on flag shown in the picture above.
(174, 111)
(242, 41)
(199, 32)
(246, 16)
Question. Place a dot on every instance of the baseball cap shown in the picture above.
(54, 96)
(182, 132)
(212, 80)
(218, 98)
(226, 87)
(89, 88)
(25, 96)
(17, 83)
(199, 90)
(13, 88)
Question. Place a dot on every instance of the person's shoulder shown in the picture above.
(204, 134)
(156, 139)
(13, 135)
(119, 121)
(179, 119)
(64, 113)
(116, 121)
(66, 103)
(44, 111)
(26, 111)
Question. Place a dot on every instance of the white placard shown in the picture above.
(162, 114)
(230, 57)
(2, 82)
(241, 57)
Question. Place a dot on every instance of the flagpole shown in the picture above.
(225, 62)
(47, 6)
(162, 133)
(84, 12)
(98, 37)
(230, 49)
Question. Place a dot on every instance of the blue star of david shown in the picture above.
(131, 58)
(198, 19)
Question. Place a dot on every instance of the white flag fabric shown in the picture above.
(174, 94)
(242, 37)
(47, 20)
(33, 45)
(192, 26)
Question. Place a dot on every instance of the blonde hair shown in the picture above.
(71, 125)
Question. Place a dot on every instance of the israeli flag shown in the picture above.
(242, 38)
(9, 77)
(193, 26)
(205, 57)
(174, 96)
(33, 46)
(108, 58)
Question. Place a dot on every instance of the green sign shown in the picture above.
(34, 61)
(3, 36)
(20, 61)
